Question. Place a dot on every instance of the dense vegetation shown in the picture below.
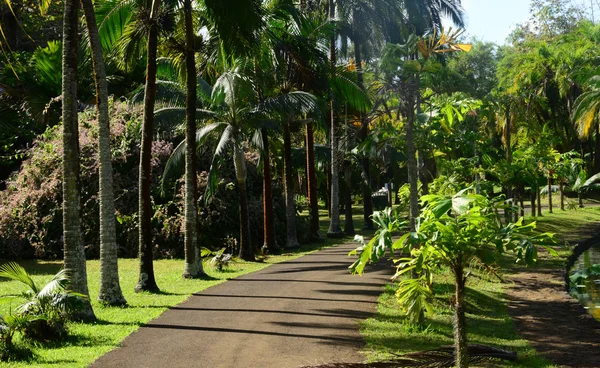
(153, 129)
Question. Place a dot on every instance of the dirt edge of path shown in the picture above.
(553, 322)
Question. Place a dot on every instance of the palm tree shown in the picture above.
(74, 255)
(335, 231)
(110, 289)
(146, 281)
(237, 113)
(193, 263)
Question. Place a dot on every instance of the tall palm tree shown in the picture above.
(335, 231)
(193, 263)
(146, 281)
(418, 17)
(74, 255)
(110, 289)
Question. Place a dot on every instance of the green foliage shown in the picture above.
(219, 259)
(50, 306)
(460, 231)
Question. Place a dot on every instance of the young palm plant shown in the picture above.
(49, 306)
(460, 231)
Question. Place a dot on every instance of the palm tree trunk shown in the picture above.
(146, 281)
(74, 255)
(507, 141)
(460, 328)
(334, 225)
(335, 231)
(311, 177)
(246, 250)
(412, 169)
(550, 192)
(193, 268)
(522, 200)
(270, 243)
(562, 195)
(290, 205)
(348, 221)
(110, 289)
(328, 197)
(364, 129)
(533, 196)
(539, 199)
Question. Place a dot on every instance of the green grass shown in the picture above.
(387, 333)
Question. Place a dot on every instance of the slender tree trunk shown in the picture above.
(550, 192)
(562, 195)
(539, 199)
(362, 135)
(508, 211)
(460, 328)
(348, 220)
(328, 197)
(533, 196)
(412, 169)
(335, 230)
(146, 281)
(270, 242)
(74, 255)
(110, 289)
(290, 205)
(522, 200)
(246, 249)
(193, 268)
(311, 177)
(507, 141)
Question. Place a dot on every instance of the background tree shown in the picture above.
(74, 256)
(110, 289)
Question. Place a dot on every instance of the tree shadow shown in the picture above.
(37, 268)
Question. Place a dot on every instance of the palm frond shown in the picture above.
(295, 103)
(57, 285)
(16, 272)
(592, 180)
(174, 164)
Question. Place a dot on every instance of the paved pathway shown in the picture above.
(304, 311)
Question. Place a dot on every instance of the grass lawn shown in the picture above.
(387, 333)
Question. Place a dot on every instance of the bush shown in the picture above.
(31, 212)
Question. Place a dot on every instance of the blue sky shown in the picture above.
(493, 20)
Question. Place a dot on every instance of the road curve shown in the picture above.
(300, 312)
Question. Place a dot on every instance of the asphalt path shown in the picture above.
(304, 311)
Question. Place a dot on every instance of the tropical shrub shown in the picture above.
(460, 231)
(43, 311)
